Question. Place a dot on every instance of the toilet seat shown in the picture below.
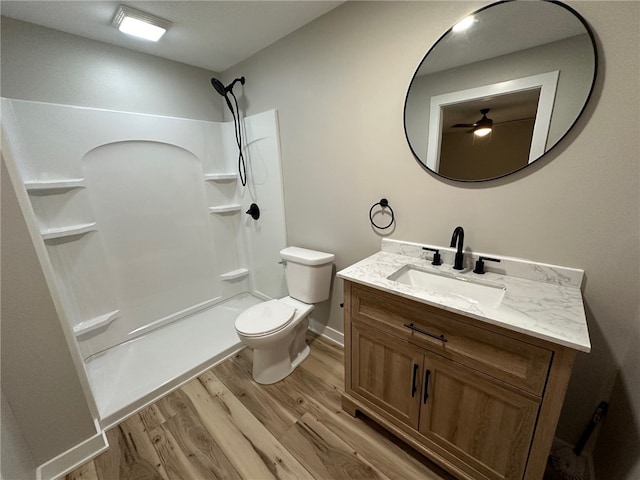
(264, 318)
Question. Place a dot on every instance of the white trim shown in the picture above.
(327, 332)
(54, 186)
(234, 274)
(547, 82)
(68, 231)
(220, 177)
(232, 208)
(73, 458)
(95, 323)
(173, 317)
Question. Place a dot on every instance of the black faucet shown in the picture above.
(458, 237)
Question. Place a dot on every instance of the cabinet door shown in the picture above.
(480, 421)
(387, 372)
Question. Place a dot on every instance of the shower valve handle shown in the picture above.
(254, 211)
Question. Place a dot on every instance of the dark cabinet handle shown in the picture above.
(413, 382)
(426, 386)
(424, 332)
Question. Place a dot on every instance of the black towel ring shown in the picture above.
(384, 203)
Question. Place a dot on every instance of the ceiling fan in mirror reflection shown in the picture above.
(530, 65)
(481, 128)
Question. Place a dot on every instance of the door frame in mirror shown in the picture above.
(546, 82)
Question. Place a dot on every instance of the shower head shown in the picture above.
(219, 86)
(221, 89)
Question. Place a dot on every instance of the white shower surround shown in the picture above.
(142, 221)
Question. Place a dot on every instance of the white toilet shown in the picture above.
(276, 329)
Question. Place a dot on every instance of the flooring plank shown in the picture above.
(325, 361)
(315, 386)
(265, 402)
(323, 371)
(385, 452)
(131, 455)
(189, 452)
(323, 400)
(324, 454)
(290, 390)
(175, 403)
(152, 417)
(224, 425)
(253, 451)
(307, 393)
(85, 472)
(330, 353)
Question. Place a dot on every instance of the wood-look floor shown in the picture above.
(223, 425)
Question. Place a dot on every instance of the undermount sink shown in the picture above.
(477, 291)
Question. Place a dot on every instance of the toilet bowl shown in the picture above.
(281, 347)
(276, 329)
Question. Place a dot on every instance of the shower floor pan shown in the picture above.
(136, 373)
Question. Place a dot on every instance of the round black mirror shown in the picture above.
(499, 89)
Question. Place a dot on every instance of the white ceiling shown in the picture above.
(210, 34)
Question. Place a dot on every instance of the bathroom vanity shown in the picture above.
(471, 370)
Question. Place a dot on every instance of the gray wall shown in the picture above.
(38, 376)
(617, 453)
(45, 65)
(339, 85)
(16, 461)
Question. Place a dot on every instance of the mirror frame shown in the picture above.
(433, 147)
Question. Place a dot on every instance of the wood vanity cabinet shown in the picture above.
(479, 400)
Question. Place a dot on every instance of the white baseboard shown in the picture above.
(327, 332)
(73, 458)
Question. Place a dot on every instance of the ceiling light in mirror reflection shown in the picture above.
(482, 131)
(512, 47)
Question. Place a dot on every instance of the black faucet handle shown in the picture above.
(436, 256)
(480, 264)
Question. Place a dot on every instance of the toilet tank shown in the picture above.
(308, 273)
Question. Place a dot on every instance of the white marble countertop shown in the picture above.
(546, 306)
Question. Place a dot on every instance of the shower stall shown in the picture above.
(142, 235)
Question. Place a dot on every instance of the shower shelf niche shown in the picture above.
(70, 231)
(95, 323)
(234, 274)
(54, 186)
(231, 208)
(221, 177)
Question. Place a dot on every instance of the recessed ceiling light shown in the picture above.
(140, 24)
(464, 24)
